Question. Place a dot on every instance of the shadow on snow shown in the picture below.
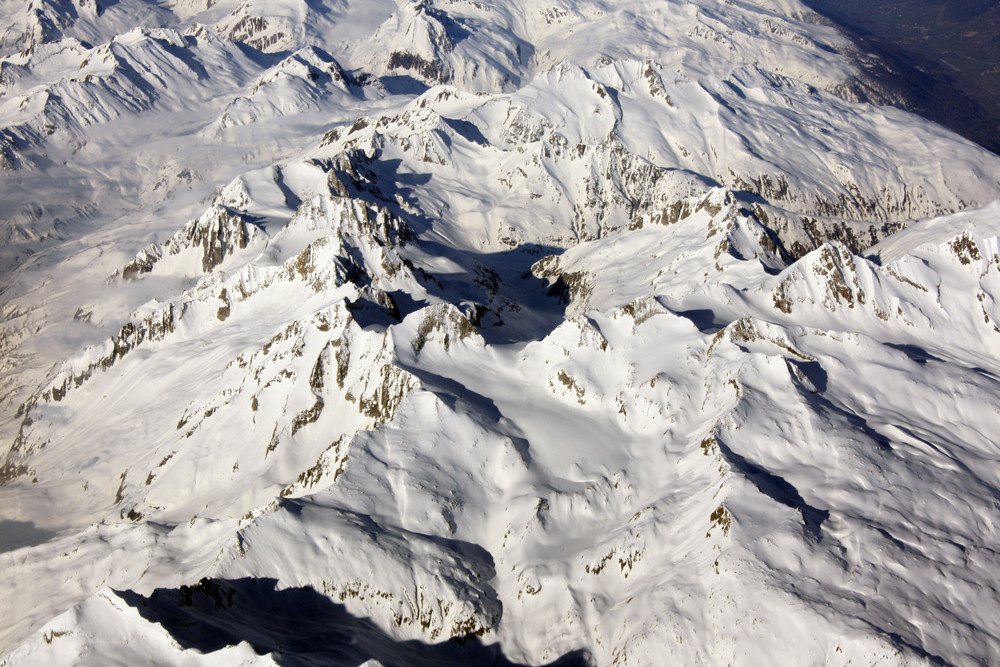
(299, 627)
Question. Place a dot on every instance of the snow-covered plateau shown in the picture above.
(487, 332)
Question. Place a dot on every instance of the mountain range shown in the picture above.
(498, 332)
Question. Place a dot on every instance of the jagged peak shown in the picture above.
(422, 27)
(358, 220)
(421, 42)
(309, 63)
(362, 245)
(218, 233)
(757, 334)
(266, 32)
(831, 275)
(442, 324)
(203, 33)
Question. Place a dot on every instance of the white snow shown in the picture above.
(331, 332)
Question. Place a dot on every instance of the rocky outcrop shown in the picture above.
(218, 234)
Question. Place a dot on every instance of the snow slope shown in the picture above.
(487, 333)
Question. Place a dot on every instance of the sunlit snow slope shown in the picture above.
(495, 332)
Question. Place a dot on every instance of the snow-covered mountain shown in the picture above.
(494, 332)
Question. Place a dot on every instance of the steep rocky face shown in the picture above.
(217, 234)
(428, 42)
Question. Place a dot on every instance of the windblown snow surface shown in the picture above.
(487, 332)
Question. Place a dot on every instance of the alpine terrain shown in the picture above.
(461, 332)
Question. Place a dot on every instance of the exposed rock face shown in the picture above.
(218, 233)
